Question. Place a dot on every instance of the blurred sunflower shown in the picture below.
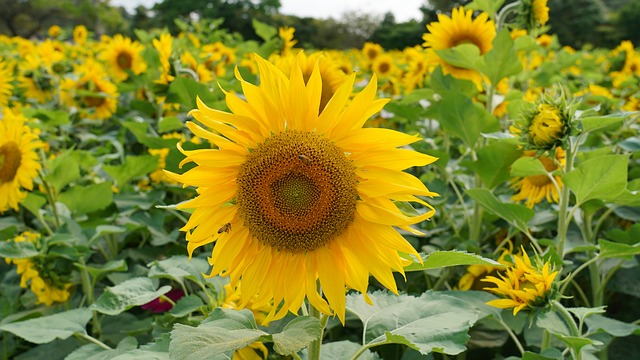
(122, 55)
(200, 70)
(535, 188)
(460, 28)
(92, 92)
(18, 158)
(371, 51)
(54, 31)
(293, 196)
(35, 80)
(80, 35)
(540, 12)
(383, 66)
(524, 285)
(6, 77)
(288, 42)
(164, 46)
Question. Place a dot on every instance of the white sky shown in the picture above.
(403, 10)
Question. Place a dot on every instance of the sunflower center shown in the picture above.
(10, 158)
(384, 68)
(124, 60)
(296, 191)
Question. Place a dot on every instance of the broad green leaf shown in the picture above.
(178, 268)
(33, 202)
(170, 123)
(140, 354)
(48, 328)
(134, 166)
(97, 271)
(578, 342)
(548, 354)
(297, 335)
(610, 249)
(528, 166)
(440, 259)
(603, 177)
(102, 230)
(63, 169)
(465, 56)
(86, 199)
(140, 131)
(186, 305)
(463, 118)
(17, 250)
(477, 300)
(345, 349)
(431, 322)
(130, 293)
(226, 331)
(583, 312)
(95, 352)
(491, 7)
(611, 326)
(599, 122)
(443, 84)
(51, 118)
(553, 323)
(184, 91)
(515, 214)
(494, 161)
(502, 60)
(265, 31)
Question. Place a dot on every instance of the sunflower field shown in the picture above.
(201, 196)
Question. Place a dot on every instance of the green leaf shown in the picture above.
(33, 203)
(547, 354)
(444, 84)
(502, 60)
(463, 118)
(441, 259)
(528, 166)
(494, 161)
(578, 342)
(431, 322)
(553, 323)
(265, 31)
(129, 293)
(48, 328)
(515, 214)
(611, 326)
(134, 166)
(102, 230)
(477, 300)
(186, 305)
(86, 199)
(63, 169)
(184, 91)
(51, 118)
(99, 271)
(170, 123)
(178, 268)
(95, 352)
(592, 123)
(345, 349)
(583, 312)
(17, 250)
(297, 335)
(603, 177)
(465, 56)
(610, 249)
(225, 331)
(489, 6)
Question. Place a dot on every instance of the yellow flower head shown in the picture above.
(540, 11)
(460, 28)
(547, 126)
(545, 123)
(286, 34)
(293, 197)
(92, 92)
(535, 188)
(523, 285)
(122, 55)
(6, 77)
(371, 51)
(54, 31)
(80, 34)
(18, 158)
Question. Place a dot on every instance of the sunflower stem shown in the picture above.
(87, 288)
(502, 15)
(314, 348)
(563, 220)
(570, 322)
(513, 336)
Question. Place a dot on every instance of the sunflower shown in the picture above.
(80, 35)
(295, 199)
(524, 285)
(36, 81)
(92, 92)
(540, 12)
(54, 31)
(122, 55)
(286, 34)
(449, 32)
(6, 77)
(189, 62)
(536, 188)
(18, 158)
(383, 66)
(371, 51)
(164, 46)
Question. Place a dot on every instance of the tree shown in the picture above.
(577, 22)
(391, 35)
(628, 22)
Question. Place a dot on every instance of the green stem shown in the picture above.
(95, 341)
(296, 356)
(314, 348)
(513, 336)
(87, 288)
(502, 15)
(546, 340)
(360, 352)
(575, 272)
(51, 199)
(571, 324)
(476, 223)
(563, 220)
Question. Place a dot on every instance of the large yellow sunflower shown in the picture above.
(460, 28)
(122, 55)
(18, 159)
(294, 198)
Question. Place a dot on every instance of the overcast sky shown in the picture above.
(403, 10)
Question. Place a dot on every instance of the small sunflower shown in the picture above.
(294, 198)
(80, 35)
(164, 46)
(122, 55)
(540, 12)
(288, 42)
(54, 31)
(36, 80)
(524, 285)
(18, 158)
(460, 28)
(371, 51)
(383, 66)
(535, 188)
(92, 92)
(6, 77)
